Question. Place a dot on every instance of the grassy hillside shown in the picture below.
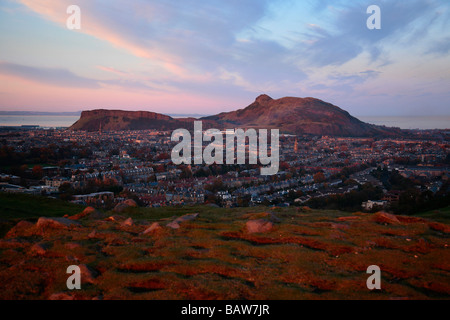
(14, 207)
(23, 206)
(306, 254)
(441, 215)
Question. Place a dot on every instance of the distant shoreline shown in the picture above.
(66, 119)
(78, 113)
(410, 122)
(38, 113)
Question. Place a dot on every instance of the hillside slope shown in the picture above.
(299, 254)
(300, 116)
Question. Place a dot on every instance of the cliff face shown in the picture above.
(289, 114)
(121, 113)
(109, 120)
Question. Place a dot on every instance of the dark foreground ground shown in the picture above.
(298, 254)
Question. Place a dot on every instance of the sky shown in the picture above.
(211, 56)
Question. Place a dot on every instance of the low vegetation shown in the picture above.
(305, 254)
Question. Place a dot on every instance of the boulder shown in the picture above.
(92, 235)
(262, 215)
(258, 226)
(116, 217)
(90, 213)
(129, 203)
(175, 224)
(56, 223)
(386, 218)
(154, 227)
(39, 249)
(88, 274)
(127, 223)
(19, 229)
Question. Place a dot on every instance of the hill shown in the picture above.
(298, 254)
(289, 114)
(118, 120)
(300, 116)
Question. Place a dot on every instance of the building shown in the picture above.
(370, 204)
(392, 196)
(95, 199)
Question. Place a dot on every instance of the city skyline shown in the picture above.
(213, 56)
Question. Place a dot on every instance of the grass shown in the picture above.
(14, 207)
(29, 165)
(23, 206)
(440, 215)
(309, 254)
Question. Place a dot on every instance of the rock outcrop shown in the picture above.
(258, 226)
(129, 203)
(56, 223)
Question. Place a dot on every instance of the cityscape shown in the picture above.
(102, 169)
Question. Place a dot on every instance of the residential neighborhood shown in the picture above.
(102, 168)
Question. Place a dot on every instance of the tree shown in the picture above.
(163, 156)
(319, 177)
(217, 185)
(65, 187)
(38, 172)
(292, 195)
(66, 191)
(284, 166)
(186, 172)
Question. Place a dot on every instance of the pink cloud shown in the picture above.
(112, 70)
(24, 94)
(92, 25)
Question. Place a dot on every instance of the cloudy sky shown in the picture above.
(208, 56)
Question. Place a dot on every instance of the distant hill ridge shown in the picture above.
(119, 120)
(289, 114)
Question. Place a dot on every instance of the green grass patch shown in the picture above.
(204, 211)
(23, 206)
(440, 215)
